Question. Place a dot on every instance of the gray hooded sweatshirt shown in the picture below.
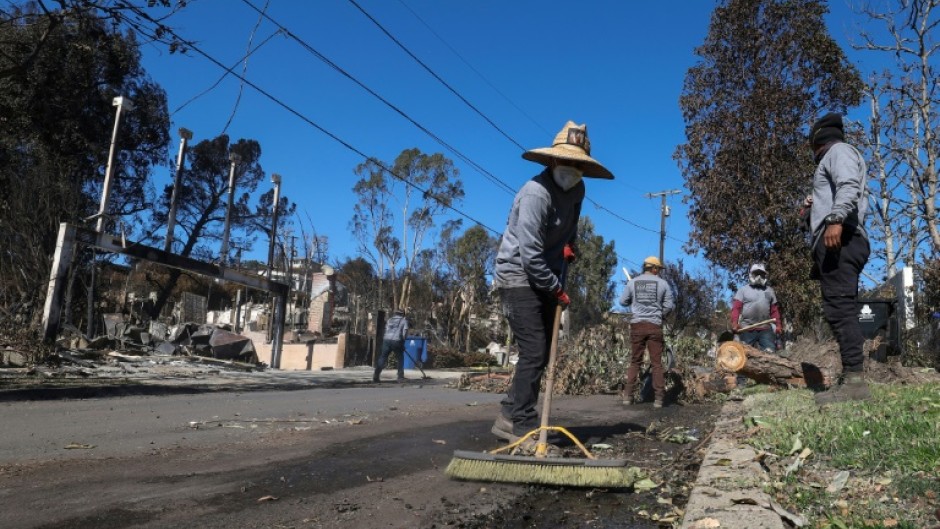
(840, 185)
(649, 298)
(543, 219)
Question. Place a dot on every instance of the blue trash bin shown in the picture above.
(416, 350)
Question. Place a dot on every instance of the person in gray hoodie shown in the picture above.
(840, 250)
(535, 248)
(393, 341)
(650, 300)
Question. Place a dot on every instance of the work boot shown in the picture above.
(627, 401)
(502, 428)
(853, 387)
(375, 377)
(658, 403)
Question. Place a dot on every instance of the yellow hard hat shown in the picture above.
(652, 261)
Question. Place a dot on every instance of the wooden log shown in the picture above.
(769, 368)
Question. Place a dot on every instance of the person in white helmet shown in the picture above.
(754, 303)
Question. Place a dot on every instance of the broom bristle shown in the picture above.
(542, 474)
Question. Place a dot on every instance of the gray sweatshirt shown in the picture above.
(840, 185)
(649, 298)
(396, 328)
(542, 220)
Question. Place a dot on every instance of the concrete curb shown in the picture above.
(728, 489)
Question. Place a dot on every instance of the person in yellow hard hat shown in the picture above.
(650, 299)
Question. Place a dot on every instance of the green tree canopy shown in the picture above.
(58, 78)
(766, 69)
(589, 278)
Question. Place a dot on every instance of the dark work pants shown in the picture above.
(646, 337)
(388, 347)
(531, 315)
(762, 339)
(838, 273)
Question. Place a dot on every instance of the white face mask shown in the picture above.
(566, 177)
(758, 280)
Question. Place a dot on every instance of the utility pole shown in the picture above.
(235, 159)
(290, 279)
(664, 212)
(122, 103)
(185, 136)
(276, 179)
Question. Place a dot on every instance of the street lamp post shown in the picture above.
(276, 179)
(122, 103)
(185, 136)
(235, 159)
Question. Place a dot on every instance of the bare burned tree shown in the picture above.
(913, 131)
(766, 68)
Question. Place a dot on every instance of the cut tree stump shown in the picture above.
(769, 368)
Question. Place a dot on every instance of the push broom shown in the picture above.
(500, 465)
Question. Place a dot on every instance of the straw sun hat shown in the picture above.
(571, 143)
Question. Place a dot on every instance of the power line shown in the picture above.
(312, 123)
(493, 178)
(475, 109)
(474, 70)
(433, 74)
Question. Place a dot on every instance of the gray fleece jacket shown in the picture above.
(542, 220)
(840, 185)
(649, 298)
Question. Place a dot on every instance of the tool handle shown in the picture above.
(758, 324)
(541, 449)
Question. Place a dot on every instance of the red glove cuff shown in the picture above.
(562, 297)
(569, 253)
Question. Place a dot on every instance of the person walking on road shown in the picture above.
(650, 299)
(840, 249)
(393, 341)
(537, 244)
(754, 303)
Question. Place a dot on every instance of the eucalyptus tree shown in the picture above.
(765, 70)
(423, 187)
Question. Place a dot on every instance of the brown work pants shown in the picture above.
(646, 337)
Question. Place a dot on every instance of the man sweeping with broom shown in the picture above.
(536, 246)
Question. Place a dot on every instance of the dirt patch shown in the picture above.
(825, 355)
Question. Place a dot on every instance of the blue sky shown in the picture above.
(529, 66)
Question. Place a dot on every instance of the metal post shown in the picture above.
(280, 307)
(276, 178)
(120, 103)
(664, 212)
(238, 310)
(290, 280)
(235, 158)
(185, 136)
(52, 312)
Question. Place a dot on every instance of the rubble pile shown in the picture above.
(128, 347)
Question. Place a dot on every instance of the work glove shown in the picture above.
(562, 297)
(735, 327)
(569, 254)
(778, 329)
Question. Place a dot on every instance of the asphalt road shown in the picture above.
(362, 455)
(125, 426)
